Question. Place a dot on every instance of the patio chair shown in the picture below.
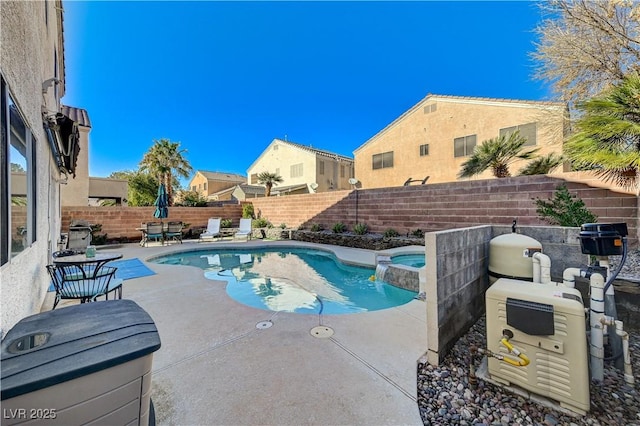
(213, 229)
(174, 231)
(154, 230)
(85, 282)
(244, 230)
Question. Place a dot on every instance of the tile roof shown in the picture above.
(223, 176)
(316, 150)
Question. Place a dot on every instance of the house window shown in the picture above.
(382, 161)
(193, 188)
(527, 131)
(254, 179)
(342, 168)
(18, 189)
(296, 170)
(321, 167)
(275, 147)
(204, 186)
(464, 146)
(278, 171)
(424, 149)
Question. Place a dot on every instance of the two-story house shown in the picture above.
(304, 169)
(438, 134)
(210, 184)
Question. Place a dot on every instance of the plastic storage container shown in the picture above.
(88, 363)
(602, 239)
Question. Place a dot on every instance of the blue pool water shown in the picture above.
(294, 280)
(415, 260)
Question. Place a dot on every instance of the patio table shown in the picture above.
(80, 259)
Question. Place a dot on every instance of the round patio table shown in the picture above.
(80, 259)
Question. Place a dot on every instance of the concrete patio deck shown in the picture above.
(216, 368)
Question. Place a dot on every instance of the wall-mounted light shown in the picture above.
(48, 83)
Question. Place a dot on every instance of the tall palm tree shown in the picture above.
(269, 179)
(608, 134)
(497, 154)
(163, 160)
(542, 165)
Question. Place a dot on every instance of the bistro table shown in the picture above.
(80, 259)
(85, 278)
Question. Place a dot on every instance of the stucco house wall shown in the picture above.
(286, 158)
(31, 51)
(76, 190)
(437, 121)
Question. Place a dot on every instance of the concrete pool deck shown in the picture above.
(216, 368)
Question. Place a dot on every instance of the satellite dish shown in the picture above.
(353, 181)
(314, 186)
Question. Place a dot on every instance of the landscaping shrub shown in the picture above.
(261, 223)
(339, 228)
(564, 209)
(390, 233)
(247, 211)
(360, 229)
(317, 227)
(226, 223)
(283, 226)
(419, 233)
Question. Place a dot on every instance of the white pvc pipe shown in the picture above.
(628, 373)
(569, 276)
(604, 262)
(596, 317)
(536, 268)
(545, 267)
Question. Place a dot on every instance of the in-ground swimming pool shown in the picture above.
(293, 280)
(415, 260)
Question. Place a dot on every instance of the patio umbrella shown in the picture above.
(161, 203)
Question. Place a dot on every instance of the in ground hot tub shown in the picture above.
(88, 363)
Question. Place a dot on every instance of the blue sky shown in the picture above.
(226, 78)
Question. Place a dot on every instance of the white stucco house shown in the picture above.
(39, 149)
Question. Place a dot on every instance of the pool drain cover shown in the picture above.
(263, 325)
(321, 332)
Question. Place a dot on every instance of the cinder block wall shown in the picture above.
(121, 222)
(445, 205)
(457, 264)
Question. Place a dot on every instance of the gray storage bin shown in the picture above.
(88, 363)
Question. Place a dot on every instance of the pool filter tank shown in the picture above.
(507, 257)
(539, 331)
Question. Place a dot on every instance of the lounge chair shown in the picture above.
(174, 231)
(154, 230)
(244, 230)
(213, 229)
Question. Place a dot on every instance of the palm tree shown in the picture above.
(542, 165)
(269, 179)
(497, 154)
(163, 160)
(608, 134)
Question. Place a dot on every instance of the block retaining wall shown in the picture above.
(445, 206)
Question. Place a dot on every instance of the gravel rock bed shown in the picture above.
(446, 396)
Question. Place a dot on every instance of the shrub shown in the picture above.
(260, 223)
(247, 211)
(317, 227)
(564, 209)
(339, 228)
(283, 226)
(389, 233)
(419, 233)
(360, 229)
(226, 223)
